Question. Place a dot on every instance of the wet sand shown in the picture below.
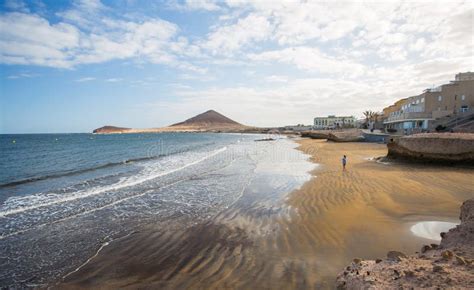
(363, 212)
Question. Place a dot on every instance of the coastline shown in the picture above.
(333, 218)
(369, 209)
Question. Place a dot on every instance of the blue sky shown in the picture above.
(75, 66)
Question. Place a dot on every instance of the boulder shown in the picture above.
(396, 256)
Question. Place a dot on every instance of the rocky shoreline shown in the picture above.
(449, 264)
(346, 135)
(445, 148)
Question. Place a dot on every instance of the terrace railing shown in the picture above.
(408, 116)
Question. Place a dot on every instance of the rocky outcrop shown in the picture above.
(110, 130)
(351, 135)
(316, 134)
(348, 135)
(434, 147)
(448, 265)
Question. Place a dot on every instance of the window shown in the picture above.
(440, 98)
(463, 97)
(423, 100)
(417, 102)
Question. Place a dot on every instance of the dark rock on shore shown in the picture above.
(434, 147)
(349, 135)
(315, 134)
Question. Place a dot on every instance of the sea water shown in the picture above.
(63, 196)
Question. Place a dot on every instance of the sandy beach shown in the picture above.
(338, 215)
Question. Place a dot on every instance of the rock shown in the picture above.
(396, 256)
(110, 129)
(447, 255)
(369, 279)
(357, 261)
(460, 260)
(409, 274)
(434, 246)
(438, 269)
(316, 134)
(351, 135)
(425, 248)
(341, 285)
(447, 265)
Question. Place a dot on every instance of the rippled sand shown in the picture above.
(362, 212)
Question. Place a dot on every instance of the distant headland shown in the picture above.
(209, 121)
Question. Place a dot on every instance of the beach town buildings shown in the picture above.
(297, 128)
(423, 112)
(333, 122)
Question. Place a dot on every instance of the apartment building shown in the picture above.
(417, 113)
(332, 122)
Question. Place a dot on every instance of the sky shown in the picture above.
(75, 66)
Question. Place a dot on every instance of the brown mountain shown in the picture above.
(209, 121)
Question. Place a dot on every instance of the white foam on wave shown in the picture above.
(431, 229)
(22, 204)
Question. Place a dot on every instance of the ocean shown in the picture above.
(65, 196)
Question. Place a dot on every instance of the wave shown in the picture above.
(85, 170)
(120, 185)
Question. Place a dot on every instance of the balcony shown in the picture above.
(408, 117)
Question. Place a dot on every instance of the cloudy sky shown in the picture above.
(74, 66)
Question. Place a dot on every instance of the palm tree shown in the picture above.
(368, 115)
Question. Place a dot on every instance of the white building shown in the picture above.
(333, 122)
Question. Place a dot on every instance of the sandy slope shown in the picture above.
(363, 212)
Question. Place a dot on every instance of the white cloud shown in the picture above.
(230, 38)
(31, 39)
(210, 5)
(300, 100)
(22, 75)
(27, 39)
(311, 59)
(276, 79)
(85, 79)
(16, 5)
(193, 5)
(114, 80)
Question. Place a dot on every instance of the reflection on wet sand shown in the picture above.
(303, 243)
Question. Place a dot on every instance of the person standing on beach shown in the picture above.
(344, 161)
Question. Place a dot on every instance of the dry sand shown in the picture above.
(362, 212)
